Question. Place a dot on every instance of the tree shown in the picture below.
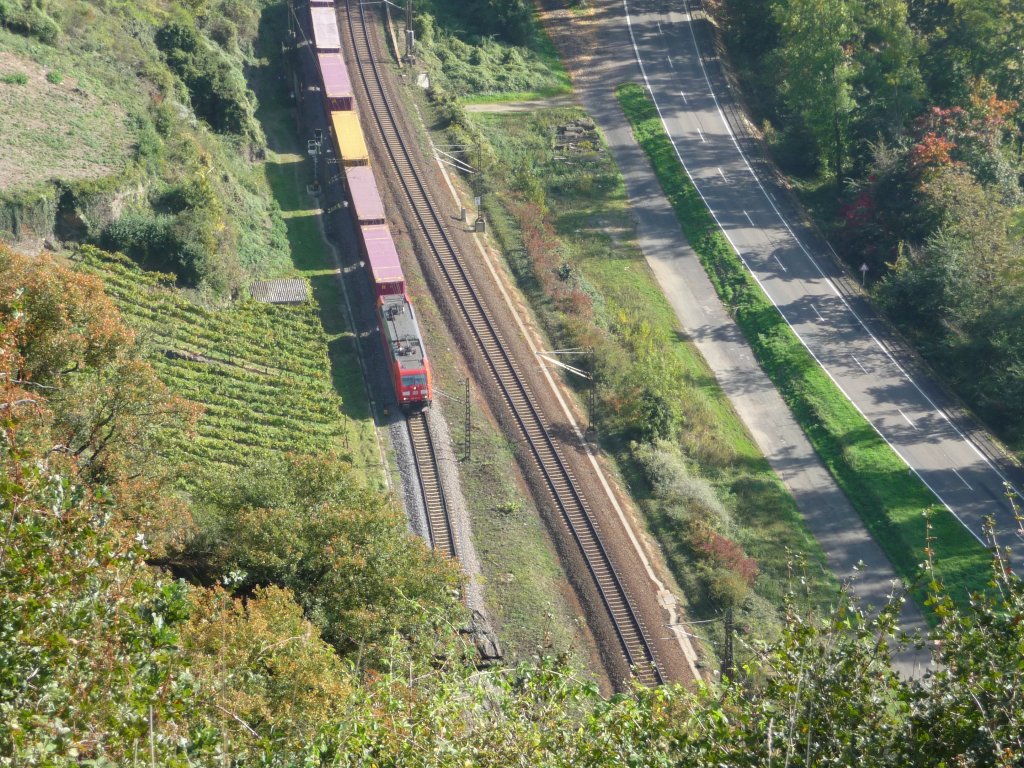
(818, 38)
(888, 87)
(260, 666)
(107, 404)
(309, 525)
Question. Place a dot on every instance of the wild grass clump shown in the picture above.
(466, 57)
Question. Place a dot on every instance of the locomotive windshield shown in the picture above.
(415, 380)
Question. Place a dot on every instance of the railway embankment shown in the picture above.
(556, 209)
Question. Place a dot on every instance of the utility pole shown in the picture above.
(728, 670)
(410, 36)
(468, 426)
(592, 409)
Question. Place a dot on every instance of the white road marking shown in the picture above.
(831, 284)
(822, 319)
(683, 94)
(911, 423)
(775, 256)
(701, 134)
(722, 174)
(973, 446)
(670, 62)
(749, 219)
(721, 114)
(659, 29)
(679, 157)
(962, 480)
(858, 363)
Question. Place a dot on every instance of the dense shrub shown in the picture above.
(153, 241)
(27, 18)
(215, 85)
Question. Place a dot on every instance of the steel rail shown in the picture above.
(561, 485)
(442, 538)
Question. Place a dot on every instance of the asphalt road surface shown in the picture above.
(837, 327)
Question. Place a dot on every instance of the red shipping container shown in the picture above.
(337, 83)
(362, 190)
(382, 258)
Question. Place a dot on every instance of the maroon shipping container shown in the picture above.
(382, 258)
(362, 189)
(337, 84)
(325, 29)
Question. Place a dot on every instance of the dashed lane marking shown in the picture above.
(962, 480)
(908, 419)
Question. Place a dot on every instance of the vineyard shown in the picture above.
(260, 371)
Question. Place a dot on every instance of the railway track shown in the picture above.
(559, 480)
(441, 537)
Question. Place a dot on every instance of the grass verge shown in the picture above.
(605, 296)
(889, 498)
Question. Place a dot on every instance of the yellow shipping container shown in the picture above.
(348, 137)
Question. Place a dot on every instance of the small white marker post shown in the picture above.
(863, 273)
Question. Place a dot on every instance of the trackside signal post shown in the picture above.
(591, 376)
(410, 35)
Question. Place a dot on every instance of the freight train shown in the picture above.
(399, 331)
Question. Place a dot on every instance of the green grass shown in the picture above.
(69, 130)
(586, 201)
(484, 70)
(889, 498)
(512, 96)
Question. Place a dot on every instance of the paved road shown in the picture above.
(599, 52)
(840, 331)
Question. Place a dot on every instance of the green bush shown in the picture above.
(215, 85)
(153, 242)
(28, 20)
(18, 78)
(54, 77)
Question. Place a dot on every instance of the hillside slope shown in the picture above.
(130, 126)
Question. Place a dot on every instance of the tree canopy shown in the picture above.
(910, 119)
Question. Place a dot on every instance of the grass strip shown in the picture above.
(890, 499)
(585, 201)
